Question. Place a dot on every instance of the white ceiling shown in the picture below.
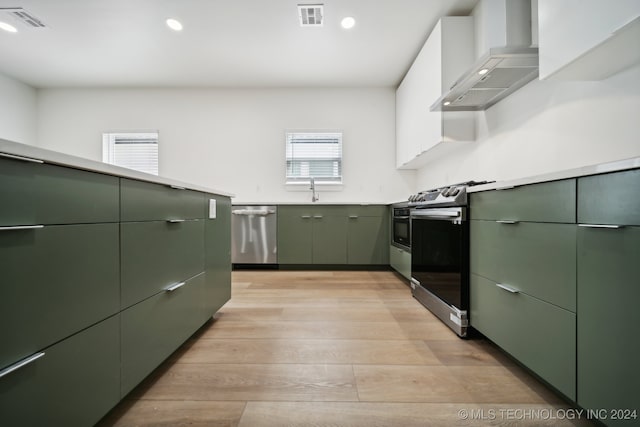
(225, 43)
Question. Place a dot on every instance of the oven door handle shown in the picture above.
(437, 214)
(401, 217)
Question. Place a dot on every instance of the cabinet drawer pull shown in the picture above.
(177, 187)
(353, 216)
(175, 221)
(21, 227)
(505, 221)
(508, 288)
(24, 159)
(615, 227)
(305, 216)
(176, 286)
(20, 364)
(317, 216)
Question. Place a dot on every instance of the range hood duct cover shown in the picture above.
(507, 70)
(503, 34)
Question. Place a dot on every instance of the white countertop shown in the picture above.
(47, 156)
(616, 166)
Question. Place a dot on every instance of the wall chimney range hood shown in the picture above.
(501, 70)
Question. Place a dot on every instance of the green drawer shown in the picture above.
(546, 202)
(33, 193)
(367, 210)
(400, 261)
(608, 319)
(56, 281)
(538, 259)
(158, 254)
(156, 327)
(75, 383)
(145, 201)
(610, 198)
(540, 335)
(217, 241)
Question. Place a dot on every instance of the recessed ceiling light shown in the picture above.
(8, 28)
(445, 103)
(174, 24)
(348, 22)
(483, 71)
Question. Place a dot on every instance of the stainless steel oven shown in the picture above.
(440, 253)
(401, 226)
(440, 263)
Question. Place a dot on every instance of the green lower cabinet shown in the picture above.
(56, 281)
(368, 240)
(75, 383)
(329, 239)
(154, 328)
(608, 319)
(295, 235)
(338, 235)
(400, 261)
(217, 240)
(540, 335)
(515, 255)
(158, 254)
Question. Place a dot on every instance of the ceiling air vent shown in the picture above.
(23, 16)
(310, 15)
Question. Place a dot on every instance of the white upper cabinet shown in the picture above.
(446, 55)
(587, 39)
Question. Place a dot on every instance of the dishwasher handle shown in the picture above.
(255, 212)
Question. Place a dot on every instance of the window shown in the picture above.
(137, 151)
(315, 155)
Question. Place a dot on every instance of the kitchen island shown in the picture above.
(106, 271)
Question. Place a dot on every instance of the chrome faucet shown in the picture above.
(314, 197)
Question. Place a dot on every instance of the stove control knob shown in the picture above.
(446, 191)
(455, 191)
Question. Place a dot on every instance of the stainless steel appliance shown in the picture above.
(401, 226)
(440, 253)
(253, 236)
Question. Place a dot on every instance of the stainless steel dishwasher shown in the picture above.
(254, 235)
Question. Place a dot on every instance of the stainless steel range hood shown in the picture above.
(496, 75)
(500, 70)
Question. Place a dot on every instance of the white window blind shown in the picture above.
(137, 151)
(315, 155)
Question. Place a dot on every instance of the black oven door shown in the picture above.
(440, 253)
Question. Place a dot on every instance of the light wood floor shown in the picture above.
(334, 349)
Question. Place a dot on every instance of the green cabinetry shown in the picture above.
(608, 292)
(56, 281)
(154, 328)
(333, 235)
(217, 251)
(400, 260)
(103, 278)
(546, 202)
(145, 201)
(33, 193)
(159, 254)
(540, 335)
(523, 277)
(74, 383)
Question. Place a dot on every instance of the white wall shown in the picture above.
(17, 111)
(545, 127)
(233, 139)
